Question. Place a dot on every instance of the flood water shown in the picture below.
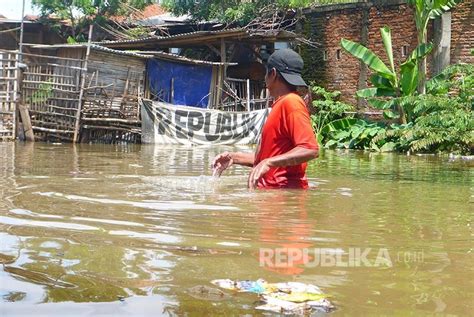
(130, 230)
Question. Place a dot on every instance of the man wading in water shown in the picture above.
(287, 140)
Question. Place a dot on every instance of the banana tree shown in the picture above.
(426, 10)
(390, 90)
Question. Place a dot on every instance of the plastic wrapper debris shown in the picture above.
(289, 298)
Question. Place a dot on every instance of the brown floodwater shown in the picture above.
(132, 230)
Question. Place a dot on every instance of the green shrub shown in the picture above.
(327, 108)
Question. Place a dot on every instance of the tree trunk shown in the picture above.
(422, 69)
(403, 116)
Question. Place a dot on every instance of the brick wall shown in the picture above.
(361, 22)
(462, 33)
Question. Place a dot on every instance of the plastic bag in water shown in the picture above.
(291, 297)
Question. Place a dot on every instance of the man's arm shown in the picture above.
(240, 158)
(293, 157)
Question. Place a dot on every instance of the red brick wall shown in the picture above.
(399, 18)
(327, 29)
(462, 33)
(328, 25)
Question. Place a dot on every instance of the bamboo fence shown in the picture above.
(50, 89)
(8, 94)
(110, 111)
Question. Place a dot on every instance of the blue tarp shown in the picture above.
(191, 82)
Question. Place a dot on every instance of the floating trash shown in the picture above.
(288, 298)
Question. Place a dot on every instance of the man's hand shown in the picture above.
(258, 172)
(221, 162)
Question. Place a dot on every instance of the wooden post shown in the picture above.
(18, 87)
(83, 83)
(248, 94)
(23, 110)
(22, 27)
(223, 72)
(224, 57)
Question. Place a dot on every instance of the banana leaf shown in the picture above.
(380, 82)
(389, 114)
(367, 57)
(409, 69)
(339, 124)
(378, 103)
(408, 77)
(375, 92)
(387, 43)
(420, 52)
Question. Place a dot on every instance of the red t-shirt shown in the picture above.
(287, 126)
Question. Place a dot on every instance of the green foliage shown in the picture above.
(455, 81)
(81, 13)
(390, 89)
(353, 134)
(71, 40)
(44, 92)
(239, 11)
(442, 125)
(327, 109)
(425, 10)
(138, 32)
(441, 121)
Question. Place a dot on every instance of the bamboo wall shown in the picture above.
(50, 88)
(113, 86)
(8, 94)
(108, 111)
(243, 95)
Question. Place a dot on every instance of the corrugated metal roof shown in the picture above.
(143, 54)
(93, 46)
(16, 21)
(157, 39)
(174, 57)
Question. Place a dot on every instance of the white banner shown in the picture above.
(163, 123)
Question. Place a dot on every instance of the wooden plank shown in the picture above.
(48, 75)
(77, 125)
(113, 128)
(52, 114)
(27, 127)
(52, 130)
(48, 82)
(47, 56)
(112, 120)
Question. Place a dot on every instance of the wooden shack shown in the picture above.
(81, 95)
(240, 85)
(90, 92)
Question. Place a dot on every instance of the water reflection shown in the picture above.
(285, 232)
(99, 223)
